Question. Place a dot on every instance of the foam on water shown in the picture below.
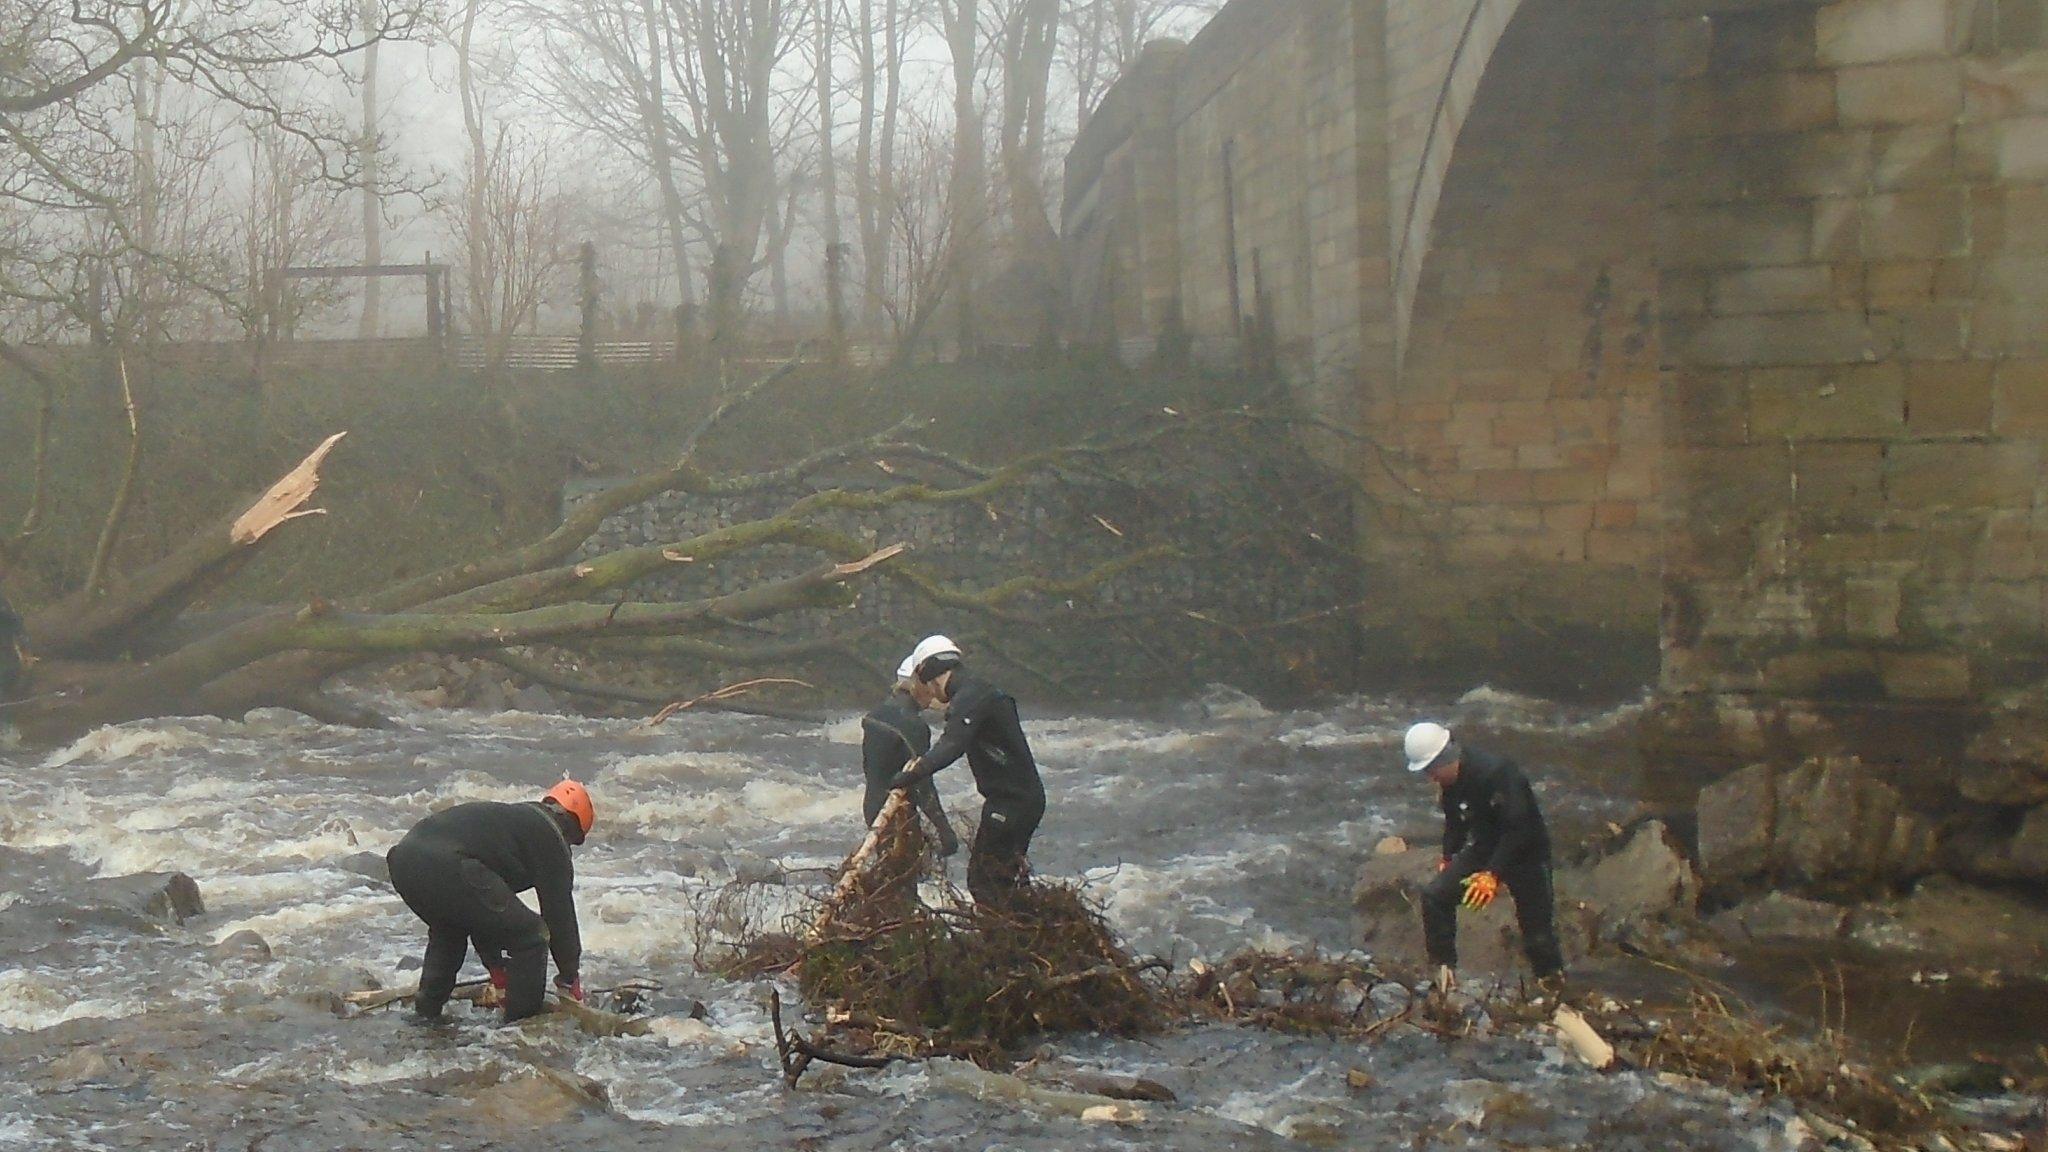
(122, 742)
(20, 1131)
(31, 1001)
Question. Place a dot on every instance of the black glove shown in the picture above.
(907, 779)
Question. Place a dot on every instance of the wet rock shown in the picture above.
(164, 897)
(754, 868)
(1987, 851)
(370, 864)
(243, 945)
(534, 698)
(1391, 846)
(2010, 785)
(689, 1032)
(549, 1096)
(1648, 878)
(2008, 762)
(1782, 916)
(1947, 919)
(1829, 824)
(80, 1064)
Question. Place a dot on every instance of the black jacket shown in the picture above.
(527, 849)
(1491, 819)
(889, 736)
(982, 725)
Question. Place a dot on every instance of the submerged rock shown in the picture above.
(370, 864)
(1783, 916)
(243, 945)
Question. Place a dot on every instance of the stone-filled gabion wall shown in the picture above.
(1259, 546)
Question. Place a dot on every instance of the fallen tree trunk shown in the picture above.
(86, 626)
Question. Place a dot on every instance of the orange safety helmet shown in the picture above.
(573, 799)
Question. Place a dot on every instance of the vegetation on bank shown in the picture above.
(442, 467)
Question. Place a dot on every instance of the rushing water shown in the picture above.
(1205, 830)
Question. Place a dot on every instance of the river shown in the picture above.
(1204, 829)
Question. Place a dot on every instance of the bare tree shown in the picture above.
(967, 198)
(70, 161)
(373, 199)
(1029, 33)
(511, 223)
(1100, 38)
(828, 180)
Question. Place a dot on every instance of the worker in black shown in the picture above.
(982, 725)
(890, 737)
(460, 870)
(1494, 836)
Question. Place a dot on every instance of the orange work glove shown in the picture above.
(1480, 889)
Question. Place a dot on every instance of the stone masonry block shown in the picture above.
(1925, 675)
(1828, 403)
(1782, 340)
(1871, 607)
(1793, 288)
(2020, 398)
(2012, 218)
(1949, 398)
(1734, 236)
(1873, 31)
(1767, 39)
(1954, 475)
(1914, 157)
(1749, 105)
(1839, 479)
(2022, 148)
(2006, 86)
(1915, 92)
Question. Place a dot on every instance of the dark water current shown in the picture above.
(1206, 829)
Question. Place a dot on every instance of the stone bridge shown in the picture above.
(1688, 342)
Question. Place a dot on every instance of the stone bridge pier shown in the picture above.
(1691, 343)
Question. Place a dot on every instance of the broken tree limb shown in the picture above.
(168, 683)
(718, 696)
(538, 673)
(895, 810)
(1584, 1042)
(46, 415)
(84, 627)
(284, 500)
(117, 512)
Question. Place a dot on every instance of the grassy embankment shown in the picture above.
(442, 468)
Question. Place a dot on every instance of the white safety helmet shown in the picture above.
(1424, 743)
(926, 648)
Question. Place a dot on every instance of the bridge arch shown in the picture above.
(1522, 414)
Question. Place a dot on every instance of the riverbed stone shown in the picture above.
(243, 945)
(1780, 916)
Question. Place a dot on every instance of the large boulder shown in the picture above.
(1648, 878)
(1830, 825)
(2008, 762)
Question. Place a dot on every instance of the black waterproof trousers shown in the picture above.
(463, 902)
(1535, 910)
(997, 866)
